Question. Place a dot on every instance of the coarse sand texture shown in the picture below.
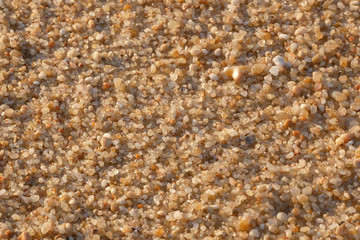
(180, 119)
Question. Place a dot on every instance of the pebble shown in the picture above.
(254, 233)
(258, 68)
(217, 52)
(357, 163)
(274, 70)
(281, 116)
(25, 236)
(72, 53)
(96, 56)
(159, 231)
(131, 194)
(298, 16)
(72, 201)
(195, 51)
(302, 198)
(250, 139)
(331, 45)
(296, 90)
(307, 190)
(237, 74)
(343, 62)
(279, 61)
(244, 225)
(58, 55)
(344, 138)
(61, 78)
(317, 59)
(282, 217)
(293, 47)
(296, 211)
(15, 53)
(300, 31)
(106, 140)
(99, 37)
(46, 227)
(227, 211)
(178, 215)
(283, 36)
(316, 76)
(339, 96)
(42, 76)
(273, 225)
(61, 229)
(62, 31)
(118, 84)
(214, 77)
(354, 63)
(9, 112)
(126, 229)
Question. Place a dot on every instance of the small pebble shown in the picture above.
(300, 31)
(282, 217)
(119, 84)
(99, 37)
(339, 96)
(343, 62)
(274, 228)
(279, 61)
(296, 90)
(24, 109)
(257, 69)
(42, 76)
(331, 45)
(178, 215)
(195, 51)
(159, 231)
(72, 53)
(344, 138)
(283, 36)
(58, 55)
(25, 236)
(61, 78)
(293, 47)
(9, 112)
(217, 52)
(244, 225)
(317, 59)
(227, 211)
(354, 63)
(237, 74)
(62, 31)
(250, 139)
(302, 198)
(214, 77)
(307, 190)
(96, 56)
(274, 70)
(105, 141)
(126, 229)
(46, 227)
(296, 211)
(316, 76)
(131, 194)
(254, 233)
(357, 163)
